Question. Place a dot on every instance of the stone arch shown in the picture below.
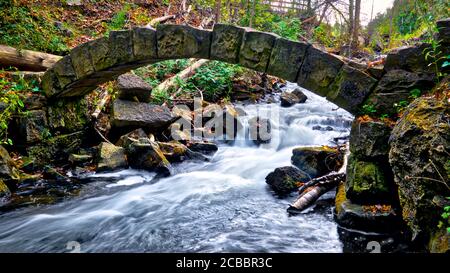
(104, 59)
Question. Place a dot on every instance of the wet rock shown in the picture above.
(369, 139)
(367, 183)
(369, 218)
(260, 130)
(173, 151)
(131, 87)
(138, 114)
(395, 86)
(110, 157)
(288, 99)
(418, 156)
(146, 155)
(285, 180)
(320, 128)
(316, 161)
(31, 127)
(125, 140)
(301, 96)
(203, 147)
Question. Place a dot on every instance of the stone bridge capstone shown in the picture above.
(103, 59)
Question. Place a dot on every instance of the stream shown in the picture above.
(223, 205)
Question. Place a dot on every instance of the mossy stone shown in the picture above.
(366, 182)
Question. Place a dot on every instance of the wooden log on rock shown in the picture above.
(26, 59)
(320, 186)
(312, 190)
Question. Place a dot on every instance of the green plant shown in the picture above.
(446, 217)
(30, 27)
(214, 80)
(119, 19)
(399, 106)
(323, 35)
(368, 109)
(415, 93)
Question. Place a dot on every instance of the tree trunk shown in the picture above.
(356, 25)
(351, 20)
(218, 6)
(252, 13)
(26, 59)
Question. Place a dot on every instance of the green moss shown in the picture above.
(340, 198)
(54, 149)
(366, 182)
(439, 242)
(4, 190)
(68, 115)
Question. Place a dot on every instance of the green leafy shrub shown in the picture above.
(12, 94)
(214, 80)
(30, 28)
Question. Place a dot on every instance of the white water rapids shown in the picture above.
(219, 206)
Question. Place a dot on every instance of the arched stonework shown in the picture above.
(102, 60)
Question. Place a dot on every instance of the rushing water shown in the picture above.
(223, 205)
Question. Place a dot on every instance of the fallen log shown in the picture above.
(312, 190)
(105, 97)
(26, 59)
(162, 19)
(186, 73)
(310, 194)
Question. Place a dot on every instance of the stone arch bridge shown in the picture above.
(343, 82)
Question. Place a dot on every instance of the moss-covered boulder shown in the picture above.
(382, 217)
(68, 115)
(54, 149)
(110, 157)
(285, 180)
(419, 155)
(288, 99)
(369, 139)
(30, 127)
(396, 86)
(367, 182)
(316, 161)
